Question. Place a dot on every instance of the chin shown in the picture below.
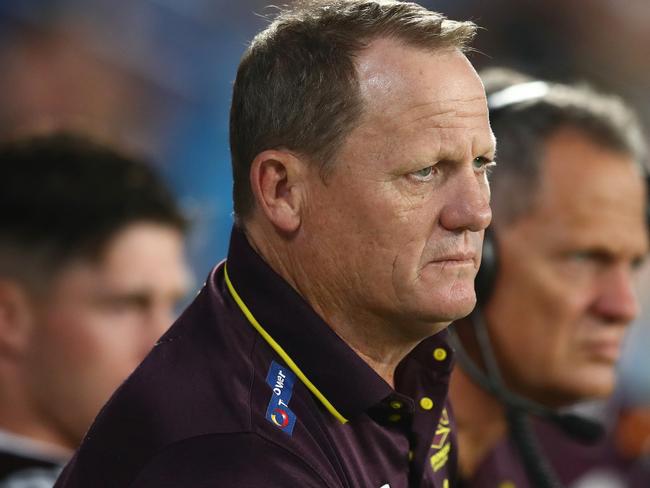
(599, 380)
(460, 304)
(449, 313)
(437, 302)
(581, 391)
(598, 390)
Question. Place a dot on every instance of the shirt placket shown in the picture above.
(430, 430)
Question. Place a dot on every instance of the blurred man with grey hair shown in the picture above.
(556, 286)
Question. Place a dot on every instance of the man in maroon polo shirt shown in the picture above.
(556, 298)
(316, 354)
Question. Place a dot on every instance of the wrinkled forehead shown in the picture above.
(592, 195)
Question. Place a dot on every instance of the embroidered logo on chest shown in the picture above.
(281, 381)
(441, 444)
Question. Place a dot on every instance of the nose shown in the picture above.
(617, 302)
(467, 205)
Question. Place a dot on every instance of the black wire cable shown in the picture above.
(539, 471)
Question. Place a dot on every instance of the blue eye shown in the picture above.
(595, 257)
(483, 163)
(423, 174)
(580, 256)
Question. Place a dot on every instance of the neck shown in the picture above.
(367, 335)
(480, 421)
(18, 416)
(373, 337)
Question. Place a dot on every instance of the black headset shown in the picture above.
(518, 407)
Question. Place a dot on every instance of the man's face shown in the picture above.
(98, 323)
(397, 225)
(564, 293)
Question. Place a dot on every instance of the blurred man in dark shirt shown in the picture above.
(91, 268)
(317, 354)
(557, 295)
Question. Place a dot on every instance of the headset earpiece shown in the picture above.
(487, 273)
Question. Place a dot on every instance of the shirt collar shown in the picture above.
(33, 449)
(345, 381)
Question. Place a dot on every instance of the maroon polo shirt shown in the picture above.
(574, 463)
(272, 399)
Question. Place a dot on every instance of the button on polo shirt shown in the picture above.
(251, 387)
(426, 403)
(440, 354)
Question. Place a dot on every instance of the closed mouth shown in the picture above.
(459, 258)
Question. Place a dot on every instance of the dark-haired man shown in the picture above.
(316, 355)
(569, 231)
(91, 268)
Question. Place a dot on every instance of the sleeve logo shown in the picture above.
(281, 381)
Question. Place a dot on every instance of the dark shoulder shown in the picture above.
(228, 460)
(18, 468)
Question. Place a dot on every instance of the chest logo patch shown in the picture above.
(281, 381)
(441, 444)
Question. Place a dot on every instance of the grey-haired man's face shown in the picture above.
(564, 295)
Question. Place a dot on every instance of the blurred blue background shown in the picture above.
(155, 76)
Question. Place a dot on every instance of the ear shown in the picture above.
(16, 316)
(278, 182)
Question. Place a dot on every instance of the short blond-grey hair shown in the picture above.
(297, 85)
